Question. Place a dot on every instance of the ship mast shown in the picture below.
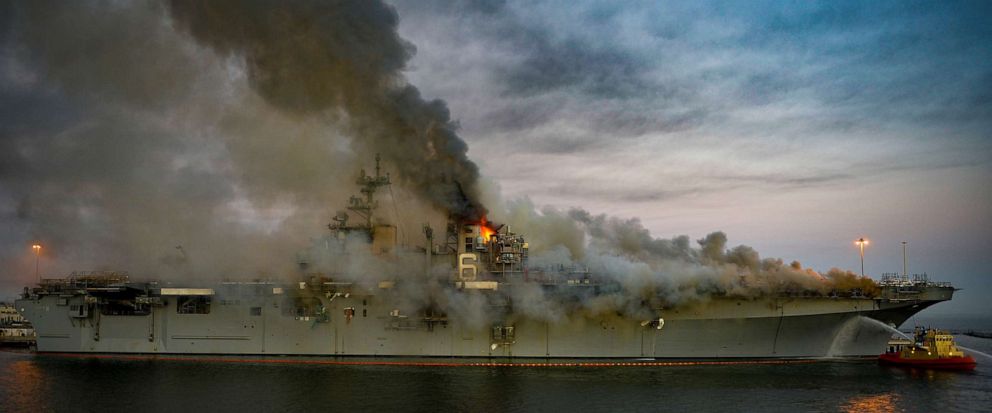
(363, 206)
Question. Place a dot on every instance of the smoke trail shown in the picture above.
(344, 58)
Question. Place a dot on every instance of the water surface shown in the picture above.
(58, 383)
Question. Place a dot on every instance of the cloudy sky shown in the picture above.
(794, 127)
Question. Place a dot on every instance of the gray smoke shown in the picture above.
(344, 58)
(206, 139)
(654, 272)
(211, 139)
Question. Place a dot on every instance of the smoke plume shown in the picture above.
(212, 139)
(343, 58)
(649, 272)
(208, 138)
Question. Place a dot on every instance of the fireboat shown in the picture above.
(930, 348)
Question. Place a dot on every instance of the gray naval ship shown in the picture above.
(326, 315)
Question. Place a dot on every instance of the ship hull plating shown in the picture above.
(370, 326)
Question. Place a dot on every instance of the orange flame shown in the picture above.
(485, 230)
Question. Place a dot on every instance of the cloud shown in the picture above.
(637, 69)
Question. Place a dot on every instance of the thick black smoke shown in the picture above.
(346, 58)
(209, 138)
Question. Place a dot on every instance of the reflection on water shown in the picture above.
(31, 382)
(879, 403)
(931, 375)
(23, 382)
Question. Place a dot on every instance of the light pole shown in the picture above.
(37, 255)
(861, 243)
(904, 274)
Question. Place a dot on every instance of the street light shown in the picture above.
(861, 243)
(37, 254)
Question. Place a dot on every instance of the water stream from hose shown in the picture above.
(875, 322)
(971, 350)
(893, 329)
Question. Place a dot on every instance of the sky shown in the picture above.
(793, 127)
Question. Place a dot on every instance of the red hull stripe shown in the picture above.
(429, 363)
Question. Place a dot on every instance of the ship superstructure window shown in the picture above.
(196, 304)
(256, 311)
(468, 243)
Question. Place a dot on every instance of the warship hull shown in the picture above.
(470, 311)
(370, 325)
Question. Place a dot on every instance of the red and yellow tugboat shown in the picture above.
(932, 349)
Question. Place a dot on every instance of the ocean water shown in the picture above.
(31, 382)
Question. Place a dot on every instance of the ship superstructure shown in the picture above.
(329, 313)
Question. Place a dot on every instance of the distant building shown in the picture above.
(9, 315)
(14, 329)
